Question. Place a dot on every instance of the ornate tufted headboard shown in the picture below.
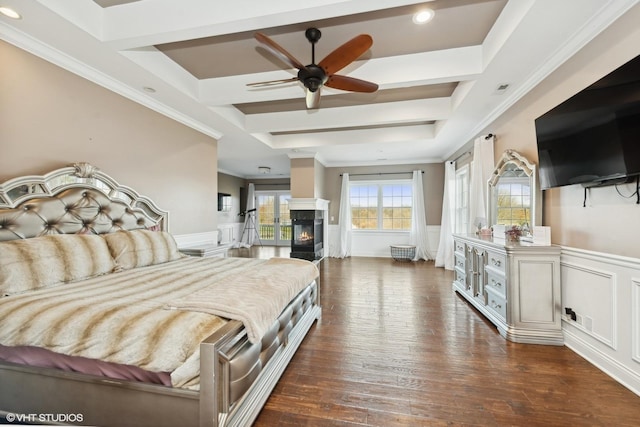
(72, 200)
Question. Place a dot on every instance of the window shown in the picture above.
(381, 205)
(462, 200)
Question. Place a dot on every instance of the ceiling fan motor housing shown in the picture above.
(312, 77)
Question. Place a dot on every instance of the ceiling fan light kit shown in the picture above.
(314, 76)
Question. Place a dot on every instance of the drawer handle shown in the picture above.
(496, 262)
(496, 284)
(495, 304)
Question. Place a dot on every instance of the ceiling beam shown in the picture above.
(146, 23)
(388, 113)
(451, 65)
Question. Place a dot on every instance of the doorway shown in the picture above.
(273, 219)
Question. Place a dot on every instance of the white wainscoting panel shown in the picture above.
(230, 232)
(377, 243)
(591, 293)
(604, 291)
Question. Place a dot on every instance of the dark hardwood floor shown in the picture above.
(396, 347)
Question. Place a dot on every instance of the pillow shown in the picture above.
(139, 248)
(46, 261)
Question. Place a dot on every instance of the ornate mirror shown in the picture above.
(512, 192)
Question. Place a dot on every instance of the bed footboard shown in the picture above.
(236, 379)
(240, 375)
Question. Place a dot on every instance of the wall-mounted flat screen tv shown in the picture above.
(593, 138)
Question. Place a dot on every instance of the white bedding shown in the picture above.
(123, 317)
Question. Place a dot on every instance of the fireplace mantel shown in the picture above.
(308, 204)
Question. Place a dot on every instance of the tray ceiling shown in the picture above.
(438, 82)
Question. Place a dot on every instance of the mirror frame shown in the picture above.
(512, 157)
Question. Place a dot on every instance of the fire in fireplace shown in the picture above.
(306, 236)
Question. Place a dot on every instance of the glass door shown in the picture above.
(273, 219)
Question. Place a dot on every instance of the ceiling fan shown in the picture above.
(314, 76)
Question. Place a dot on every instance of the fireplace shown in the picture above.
(307, 233)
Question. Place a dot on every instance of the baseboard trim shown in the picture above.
(606, 364)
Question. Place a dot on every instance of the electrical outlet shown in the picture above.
(579, 319)
(588, 323)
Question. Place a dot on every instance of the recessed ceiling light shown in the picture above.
(423, 16)
(6, 11)
(149, 89)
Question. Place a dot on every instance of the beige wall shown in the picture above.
(609, 223)
(303, 178)
(433, 185)
(50, 118)
(319, 175)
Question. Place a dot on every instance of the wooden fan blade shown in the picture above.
(351, 84)
(313, 99)
(273, 82)
(346, 54)
(279, 51)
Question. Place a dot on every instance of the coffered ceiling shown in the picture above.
(440, 83)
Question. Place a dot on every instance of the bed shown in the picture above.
(103, 321)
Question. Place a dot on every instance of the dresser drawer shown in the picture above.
(497, 283)
(460, 278)
(496, 303)
(459, 247)
(496, 261)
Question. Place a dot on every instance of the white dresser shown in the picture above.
(515, 285)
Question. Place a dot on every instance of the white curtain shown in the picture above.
(418, 234)
(481, 169)
(344, 218)
(249, 232)
(444, 257)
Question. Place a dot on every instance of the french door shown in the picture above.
(272, 218)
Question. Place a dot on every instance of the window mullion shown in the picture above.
(380, 207)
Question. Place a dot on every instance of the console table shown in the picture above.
(516, 285)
